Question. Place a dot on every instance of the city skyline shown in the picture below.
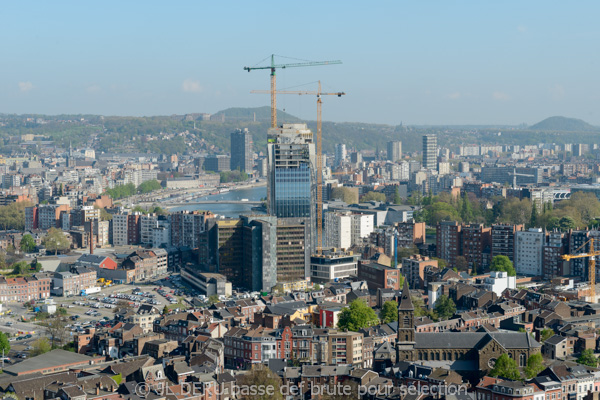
(416, 64)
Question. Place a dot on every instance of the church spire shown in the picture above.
(405, 303)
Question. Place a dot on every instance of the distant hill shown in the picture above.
(563, 124)
(249, 114)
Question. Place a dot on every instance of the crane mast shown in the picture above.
(274, 67)
(591, 266)
(318, 150)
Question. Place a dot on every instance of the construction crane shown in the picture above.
(514, 174)
(591, 267)
(273, 91)
(319, 150)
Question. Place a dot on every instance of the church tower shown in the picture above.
(405, 343)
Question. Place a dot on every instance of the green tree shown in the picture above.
(12, 216)
(535, 365)
(105, 215)
(55, 240)
(515, 211)
(40, 346)
(466, 212)
(317, 287)
(389, 312)
(421, 310)
(534, 215)
(373, 196)
(588, 358)
(149, 186)
(27, 243)
(357, 316)
(503, 263)
(397, 199)
(213, 299)
(20, 268)
(546, 334)
(4, 343)
(260, 376)
(445, 307)
(461, 263)
(506, 368)
(345, 194)
(165, 310)
(566, 223)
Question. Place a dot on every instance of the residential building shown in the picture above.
(476, 239)
(529, 252)
(503, 240)
(413, 270)
(499, 281)
(345, 348)
(340, 154)
(22, 289)
(430, 152)
(394, 151)
(448, 240)
(242, 153)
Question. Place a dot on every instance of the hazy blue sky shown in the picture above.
(420, 62)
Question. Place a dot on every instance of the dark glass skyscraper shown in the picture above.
(291, 185)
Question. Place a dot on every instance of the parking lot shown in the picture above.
(90, 311)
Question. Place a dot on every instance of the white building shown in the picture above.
(331, 266)
(499, 281)
(344, 229)
(362, 226)
(443, 168)
(340, 154)
(147, 224)
(529, 251)
(338, 230)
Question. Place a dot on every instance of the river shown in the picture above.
(229, 210)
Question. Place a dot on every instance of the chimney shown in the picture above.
(97, 388)
(91, 236)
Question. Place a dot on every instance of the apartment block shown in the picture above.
(529, 253)
(448, 240)
(503, 240)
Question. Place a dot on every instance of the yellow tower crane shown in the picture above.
(591, 267)
(273, 90)
(319, 149)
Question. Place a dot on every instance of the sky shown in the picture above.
(410, 62)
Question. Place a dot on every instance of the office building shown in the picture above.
(217, 163)
(331, 266)
(291, 186)
(242, 154)
(394, 151)
(430, 152)
(293, 249)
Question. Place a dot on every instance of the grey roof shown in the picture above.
(48, 360)
(556, 339)
(468, 340)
